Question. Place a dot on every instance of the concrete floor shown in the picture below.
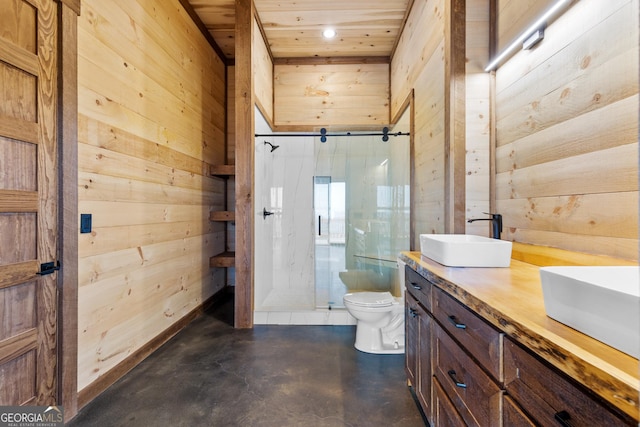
(213, 375)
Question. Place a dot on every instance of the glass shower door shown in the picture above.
(361, 209)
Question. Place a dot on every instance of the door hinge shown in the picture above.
(48, 268)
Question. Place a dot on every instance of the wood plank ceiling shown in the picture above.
(294, 27)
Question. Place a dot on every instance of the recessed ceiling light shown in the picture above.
(329, 33)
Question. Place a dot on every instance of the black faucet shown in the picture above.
(496, 222)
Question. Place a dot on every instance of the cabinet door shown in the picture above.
(548, 396)
(425, 370)
(418, 352)
(411, 326)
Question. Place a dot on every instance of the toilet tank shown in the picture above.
(398, 285)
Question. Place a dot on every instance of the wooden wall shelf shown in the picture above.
(222, 216)
(223, 260)
(222, 170)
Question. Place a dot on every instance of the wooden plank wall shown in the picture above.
(418, 65)
(311, 96)
(151, 119)
(262, 73)
(477, 116)
(567, 133)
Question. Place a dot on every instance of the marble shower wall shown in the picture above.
(284, 242)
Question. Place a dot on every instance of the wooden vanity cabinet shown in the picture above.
(548, 397)
(467, 371)
(418, 324)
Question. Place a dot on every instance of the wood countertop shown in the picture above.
(511, 300)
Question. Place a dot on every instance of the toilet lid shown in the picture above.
(370, 299)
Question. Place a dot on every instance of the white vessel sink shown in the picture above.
(602, 302)
(466, 250)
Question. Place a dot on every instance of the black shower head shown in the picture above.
(273, 147)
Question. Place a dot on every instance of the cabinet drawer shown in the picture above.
(547, 395)
(474, 394)
(445, 414)
(477, 336)
(513, 415)
(419, 287)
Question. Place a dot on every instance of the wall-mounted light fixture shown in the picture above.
(531, 36)
(533, 39)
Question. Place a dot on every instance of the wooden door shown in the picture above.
(28, 201)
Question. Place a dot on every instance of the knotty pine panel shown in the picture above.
(608, 127)
(477, 116)
(109, 163)
(419, 42)
(98, 134)
(262, 73)
(566, 132)
(428, 183)
(593, 72)
(231, 116)
(151, 120)
(147, 306)
(116, 264)
(323, 95)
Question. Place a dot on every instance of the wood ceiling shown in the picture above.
(294, 27)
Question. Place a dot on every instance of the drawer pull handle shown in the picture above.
(416, 286)
(455, 323)
(563, 418)
(413, 312)
(452, 375)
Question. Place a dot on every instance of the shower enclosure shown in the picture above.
(339, 217)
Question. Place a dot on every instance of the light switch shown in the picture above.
(85, 223)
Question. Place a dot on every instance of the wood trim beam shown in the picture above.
(333, 60)
(68, 208)
(454, 96)
(73, 5)
(244, 191)
(412, 166)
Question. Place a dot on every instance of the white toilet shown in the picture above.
(380, 319)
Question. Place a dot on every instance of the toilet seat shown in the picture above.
(370, 299)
